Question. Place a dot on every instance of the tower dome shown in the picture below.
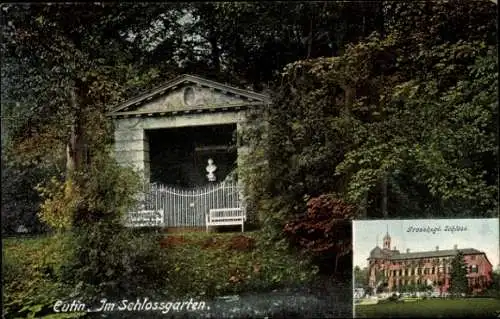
(376, 252)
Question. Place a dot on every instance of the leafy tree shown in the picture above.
(434, 149)
(64, 65)
(361, 276)
(249, 43)
(371, 123)
(69, 62)
(494, 288)
(458, 275)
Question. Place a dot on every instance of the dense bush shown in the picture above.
(112, 261)
(108, 191)
(392, 299)
(325, 232)
(31, 270)
(20, 201)
(101, 191)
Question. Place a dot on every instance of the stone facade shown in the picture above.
(187, 101)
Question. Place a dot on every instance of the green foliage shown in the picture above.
(109, 258)
(441, 21)
(31, 271)
(252, 168)
(51, 91)
(59, 207)
(249, 43)
(360, 277)
(458, 276)
(118, 263)
(114, 262)
(103, 192)
(108, 190)
(395, 126)
(441, 142)
(20, 202)
(494, 289)
(312, 123)
(415, 288)
(198, 270)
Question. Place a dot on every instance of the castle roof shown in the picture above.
(435, 253)
(378, 252)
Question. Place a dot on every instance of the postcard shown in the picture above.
(428, 268)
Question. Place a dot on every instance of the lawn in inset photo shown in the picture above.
(433, 308)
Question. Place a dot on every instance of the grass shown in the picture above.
(433, 308)
(28, 270)
(199, 263)
(225, 263)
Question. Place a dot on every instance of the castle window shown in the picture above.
(473, 268)
(433, 271)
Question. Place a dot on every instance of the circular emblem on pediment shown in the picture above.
(189, 96)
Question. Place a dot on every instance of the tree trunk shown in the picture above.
(75, 146)
(349, 94)
(384, 196)
(215, 52)
(365, 206)
(310, 40)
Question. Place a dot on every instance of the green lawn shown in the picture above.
(218, 263)
(433, 308)
(200, 265)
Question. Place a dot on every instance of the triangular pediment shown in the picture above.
(188, 93)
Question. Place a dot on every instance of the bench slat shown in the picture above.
(226, 216)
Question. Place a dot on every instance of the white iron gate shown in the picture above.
(187, 207)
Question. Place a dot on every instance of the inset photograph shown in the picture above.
(426, 268)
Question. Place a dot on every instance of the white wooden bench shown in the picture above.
(226, 216)
(145, 218)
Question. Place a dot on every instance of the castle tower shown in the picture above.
(387, 241)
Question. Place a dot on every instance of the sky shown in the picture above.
(481, 234)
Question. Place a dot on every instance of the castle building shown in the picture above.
(392, 269)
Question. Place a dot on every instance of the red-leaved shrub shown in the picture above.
(325, 231)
